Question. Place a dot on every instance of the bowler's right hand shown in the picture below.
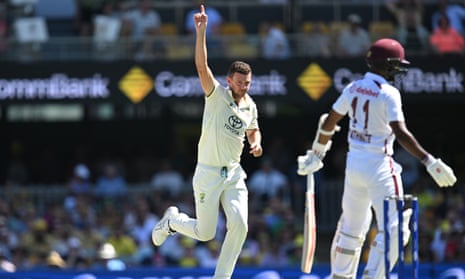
(200, 19)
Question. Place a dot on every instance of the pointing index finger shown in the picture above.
(202, 9)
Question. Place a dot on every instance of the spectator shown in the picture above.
(425, 254)
(108, 217)
(314, 41)
(93, 238)
(38, 242)
(61, 235)
(445, 39)
(79, 183)
(109, 258)
(251, 250)
(172, 250)
(77, 202)
(207, 254)
(143, 23)
(83, 213)
(112, 9)
(75, 257)
(438, 245)
(139, 225)
(8, 239)
(189, 259)
(265, 183)
(168, 182)
(275, 44)
(411, 31)
(355, 40)
(55, 261)
(272, 256)
(111, 184)
(86, 10)
(123, 242)
(454, 11)
(107, 28)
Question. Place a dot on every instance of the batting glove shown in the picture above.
(308, 163)
(442, 174)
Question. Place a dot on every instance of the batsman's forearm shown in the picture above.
(409, 143)
(324, 139)
(329, 125)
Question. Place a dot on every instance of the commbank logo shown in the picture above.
(136, 84)
(314, 81)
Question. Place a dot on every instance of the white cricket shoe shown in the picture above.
(162, 230)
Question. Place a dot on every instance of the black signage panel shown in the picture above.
(303, 82)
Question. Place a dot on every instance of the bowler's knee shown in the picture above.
(238, 225)
(206, 234)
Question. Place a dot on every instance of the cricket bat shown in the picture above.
(308, 250)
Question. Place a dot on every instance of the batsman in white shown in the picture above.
(376, 121)
(229, 116)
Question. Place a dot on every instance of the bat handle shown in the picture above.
(310, 183)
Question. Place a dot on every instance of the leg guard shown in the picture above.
(346, 257)
(335, 240)
(356, 257)
(375, 266)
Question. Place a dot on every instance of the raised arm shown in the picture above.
(207, 80)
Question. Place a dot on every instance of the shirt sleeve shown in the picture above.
(394, 107)
(254, 123)
(342, 104)
(214, 94)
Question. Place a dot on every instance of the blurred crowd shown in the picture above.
(135, 29)
(99, 216)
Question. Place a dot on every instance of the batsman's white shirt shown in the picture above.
(371, 174)
(224, 126)
(371, 103)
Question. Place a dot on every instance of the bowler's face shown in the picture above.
(239, 83)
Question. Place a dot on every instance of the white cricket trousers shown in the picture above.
(369, 178)
(214, 186)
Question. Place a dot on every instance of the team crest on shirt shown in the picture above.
(234, 124)
(202, 197)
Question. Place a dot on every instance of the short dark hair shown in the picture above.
(239, 67)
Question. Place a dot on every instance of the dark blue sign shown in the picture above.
(320, 271)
